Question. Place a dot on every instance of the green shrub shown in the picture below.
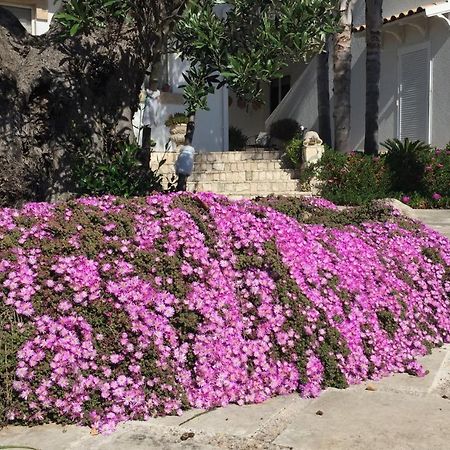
(294, 151)
(437, 173)
(412, 172)
(406, 161)
(120, 173)
(237, 139)
(177, 119)
(351, 179)
(420, 175)
(285, 129)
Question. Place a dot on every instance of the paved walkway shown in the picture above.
(399, 412)
(435, 218)
(439, 219)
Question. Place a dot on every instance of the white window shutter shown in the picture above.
(414, 95)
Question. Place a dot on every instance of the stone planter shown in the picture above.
(177, 134)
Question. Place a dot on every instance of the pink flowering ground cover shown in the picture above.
(115, 310)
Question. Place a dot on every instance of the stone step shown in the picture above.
(241, 176)
(249, 195)
(241, 166)
(249, 187)
(254, 155)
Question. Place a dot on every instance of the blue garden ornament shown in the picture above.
(184, 166)
(185, 162)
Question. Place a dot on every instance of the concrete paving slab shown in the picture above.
(356, 419)
(438, 219)
(45, 437)
(175, 421)
(245, 421)
(438, 373)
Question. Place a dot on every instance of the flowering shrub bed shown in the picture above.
(114, 310)
(414, 173)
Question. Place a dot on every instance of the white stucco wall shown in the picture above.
(41, 26)
(438, 39)
(211, 133)
(302, 102)
(440, 53)
(249, 120)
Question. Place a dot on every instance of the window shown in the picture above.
(278, 90)
(25, 16)
(414, 94)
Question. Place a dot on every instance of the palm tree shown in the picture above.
(323, 94)
(374, 24)
(342, 65)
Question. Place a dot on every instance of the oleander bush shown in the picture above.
(123, 309)
(351, 178)
(294, 151)
(412, 172)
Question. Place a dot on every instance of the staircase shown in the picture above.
(242, 174)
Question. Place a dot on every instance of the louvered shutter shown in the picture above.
(414, 95)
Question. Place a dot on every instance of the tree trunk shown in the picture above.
(323, 95)
(342, 65)
(374, 22)
(59, 94)
(190, 131)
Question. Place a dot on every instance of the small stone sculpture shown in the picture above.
(312, 138)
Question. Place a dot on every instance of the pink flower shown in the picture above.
(436, 196)
(212, 302)
(406, 199)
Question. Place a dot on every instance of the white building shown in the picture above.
(34, 15)
(415, 78)
(415, 81)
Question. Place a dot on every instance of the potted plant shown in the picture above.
(177, 124)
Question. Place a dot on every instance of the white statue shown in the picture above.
(312, 138)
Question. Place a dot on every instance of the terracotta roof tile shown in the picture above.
(402, 15)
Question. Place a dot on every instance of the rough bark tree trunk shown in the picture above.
(342, 65)
(58, 94)
(190, 131)
(323, 95)
(374, 24)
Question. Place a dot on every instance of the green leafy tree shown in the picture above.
(245, 43)
(78, 85)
